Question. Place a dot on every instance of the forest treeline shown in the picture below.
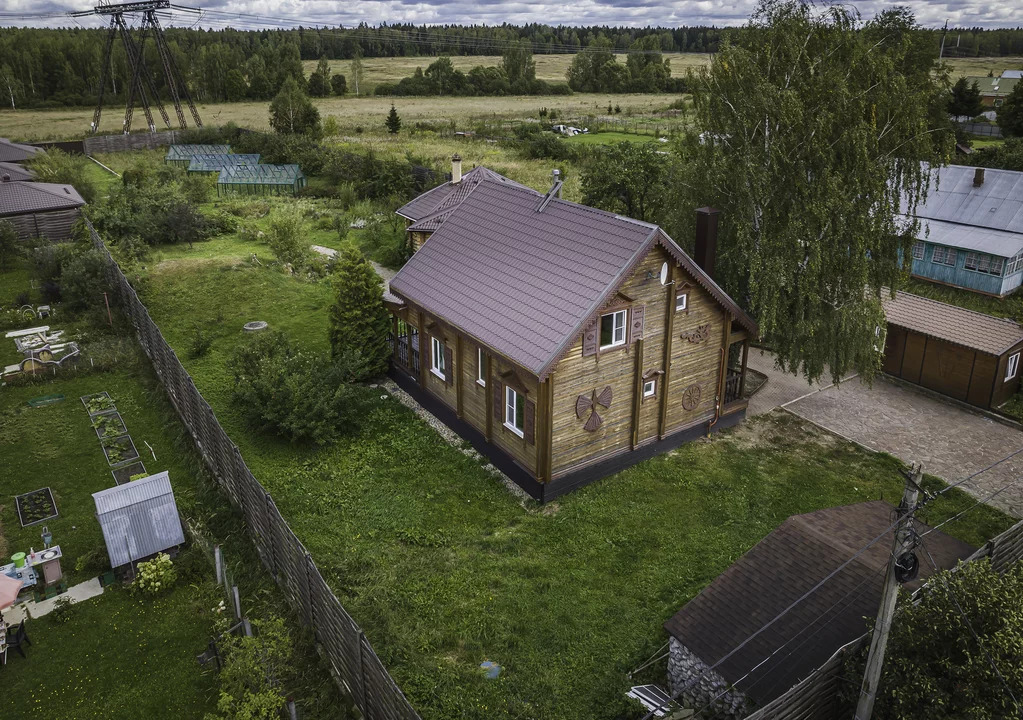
(60, 67)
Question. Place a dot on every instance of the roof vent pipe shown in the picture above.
(705, 249)
(456, 169)
(556, 178)
(5, 178)
(978, 177)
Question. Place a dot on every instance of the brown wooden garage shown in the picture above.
(964, 354)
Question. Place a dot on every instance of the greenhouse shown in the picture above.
(260, 180)
(182, 154)
(215, 162)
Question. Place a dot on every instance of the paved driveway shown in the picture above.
(781, 387)
(950, 441)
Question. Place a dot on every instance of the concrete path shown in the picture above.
(951, 441)
(76, 593)
(781, 387)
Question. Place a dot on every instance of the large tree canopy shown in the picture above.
(810, 132)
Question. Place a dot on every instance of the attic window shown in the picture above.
(650, 388)
(681, 302)
(612, 329)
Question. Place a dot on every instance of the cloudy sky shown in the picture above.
(267, 13)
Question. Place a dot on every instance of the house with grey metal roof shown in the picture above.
(563, 341)
(994, 90)
(13, 172)
(139, 519)
(17, 152)
(971, 230)
(40, 210)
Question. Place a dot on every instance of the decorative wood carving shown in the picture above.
(691, 397)
(699, 335)
(584, 404)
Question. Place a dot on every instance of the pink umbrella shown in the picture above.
(9, 589)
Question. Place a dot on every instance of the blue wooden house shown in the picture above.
(971, 230)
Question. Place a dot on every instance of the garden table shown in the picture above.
(26, 574)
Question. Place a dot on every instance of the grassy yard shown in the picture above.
(608, 138)
(444, 569)
(1007, 307)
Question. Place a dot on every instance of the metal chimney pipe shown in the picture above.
(556, 178)
(978, 177)
(456, 169)
(705, 249)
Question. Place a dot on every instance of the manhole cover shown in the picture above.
(255, 326)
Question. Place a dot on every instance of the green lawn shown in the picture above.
(444, 568)
(607, 138)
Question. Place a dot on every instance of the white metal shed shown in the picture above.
(138, 519)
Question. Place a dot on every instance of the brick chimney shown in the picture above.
(456, 169)
(978, 177)
(706, 246)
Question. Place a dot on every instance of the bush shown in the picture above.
(156, 575)
(10, 248)
(63, 610)
(83, 280)
(200, 340)
(548, 146)
(253, 673)
(286, 237)
(57, 166)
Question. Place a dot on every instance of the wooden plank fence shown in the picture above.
(344, 644)
(123, 143)
(816, 696)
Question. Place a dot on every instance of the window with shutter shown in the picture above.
(590, 338)
(498, 399)
(449, 373)
(529, 422)
(636, 330)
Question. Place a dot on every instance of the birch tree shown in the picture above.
(810, 134)
(357, 72)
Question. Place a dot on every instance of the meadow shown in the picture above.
(981, 66)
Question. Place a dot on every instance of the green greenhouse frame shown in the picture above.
(260, 180)
(182, 154)
(215, 162)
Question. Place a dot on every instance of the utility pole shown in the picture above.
(903, 544)
(941, 53)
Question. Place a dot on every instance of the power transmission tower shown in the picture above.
(902, 567)
(140, 79)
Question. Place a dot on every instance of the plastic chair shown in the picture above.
(17, 638)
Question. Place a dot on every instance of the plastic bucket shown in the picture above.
(19, 559)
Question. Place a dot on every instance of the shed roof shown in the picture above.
(995, 204)
(16, 172)
(1002, 243)
(19, 198)
(138, 519)
(16, 152)
(213, 162)
(448, 195)
(777, 571)
(523, 282)
(952, 323)
(184, 152)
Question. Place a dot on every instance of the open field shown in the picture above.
(608, 138)
(981, 66)
(366, 112)
(551, 68)
(444, 568)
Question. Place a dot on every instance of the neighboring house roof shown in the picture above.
(1012, 74)
(15, 172)
(953, 324)
(448, 195)
(16, 152)
(995, 86)
(138, 519)
(972, 237)
(995, 204)
(524, 283)
(776, 572)
(18, 198)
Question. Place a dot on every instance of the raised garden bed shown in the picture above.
(98, 403)
(120, 450)
(108, 425)
(36, 506)
(124, 474)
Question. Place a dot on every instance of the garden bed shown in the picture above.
(109, 425)
(36, 506)
(120, 450)
(98, 403)
(124, 474)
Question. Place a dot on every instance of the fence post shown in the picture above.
(311, 609)
(273, 545)
(364, 705)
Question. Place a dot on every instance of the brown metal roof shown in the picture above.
(777, 571)
(448, 195)
(953, 324)
(524, 283)
(16, 152)
(18, 198)
(15, 172)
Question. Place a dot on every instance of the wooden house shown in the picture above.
(17, 152)
(964, 354)
(40, 210)
(971, 230)
(564, 342)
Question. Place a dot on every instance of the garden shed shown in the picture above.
(215, 162)
(138, 519)
(964, 354)
(260, 180)
(182, 154)
(13, 172)
(40, 210)
(16, 152)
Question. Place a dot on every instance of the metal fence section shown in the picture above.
(344, 644)
(988, 129)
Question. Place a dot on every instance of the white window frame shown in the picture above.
(437, 358)
(944, 256)
(681, 302)
(481, 377)
(918, 250)
(1012, 367)
(615, 328)
(650, 387)
(512, 398)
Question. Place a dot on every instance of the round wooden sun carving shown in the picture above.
(691, 397)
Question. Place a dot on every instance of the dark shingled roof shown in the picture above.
(18, 198)
(15, 172)
(448, 195)
(953, 324)
(523, 282)
(779, 569)
(16, 152)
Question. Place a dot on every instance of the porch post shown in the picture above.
(423, 360)
(394, 334)
(742, 376)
